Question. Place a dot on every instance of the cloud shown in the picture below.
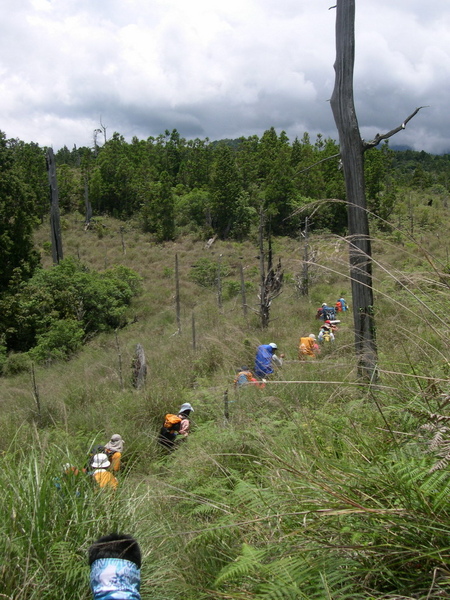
(214, 69)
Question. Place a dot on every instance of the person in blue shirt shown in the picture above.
(265, 359)
(344, 304)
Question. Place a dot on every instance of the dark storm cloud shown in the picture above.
(214, 69)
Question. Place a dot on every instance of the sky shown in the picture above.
(219, 69)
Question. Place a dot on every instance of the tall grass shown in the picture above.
(315, 487)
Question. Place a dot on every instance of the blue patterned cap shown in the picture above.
(115, 579)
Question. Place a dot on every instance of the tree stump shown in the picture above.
(139, 367)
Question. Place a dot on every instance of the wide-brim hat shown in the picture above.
(186, 406)
(100, 461)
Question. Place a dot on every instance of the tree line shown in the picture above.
(172, 186)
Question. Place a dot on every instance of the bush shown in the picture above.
(66, 298)
(15, 364)
(64, 338)
(232, 288)
(205, 272)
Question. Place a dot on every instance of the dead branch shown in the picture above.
(379, 137)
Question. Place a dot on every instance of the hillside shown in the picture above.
(315, 487)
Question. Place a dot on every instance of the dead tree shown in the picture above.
(55, 223)
(177, 295)
(271, 280)
(304, 280)
(352, 148)
(87, 203)
(139, 367)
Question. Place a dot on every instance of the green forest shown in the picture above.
(317, 485)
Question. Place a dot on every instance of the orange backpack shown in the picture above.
(172, 422)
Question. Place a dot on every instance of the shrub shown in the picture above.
(15, 364)
(73, 298)
(232, 288)
(64, 338)
(204, 272)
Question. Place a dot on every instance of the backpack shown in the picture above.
(326, 336)
(242, 378)
(172, 423)
(329, 313)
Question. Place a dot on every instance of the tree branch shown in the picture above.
(377, 139)
(317, 163)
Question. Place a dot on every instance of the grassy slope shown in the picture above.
(310, 487)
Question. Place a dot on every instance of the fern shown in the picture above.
(244, 565)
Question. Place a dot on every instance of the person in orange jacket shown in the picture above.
(114, 450)
(101, 475)
(308, 347)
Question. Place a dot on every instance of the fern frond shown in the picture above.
(246, 563)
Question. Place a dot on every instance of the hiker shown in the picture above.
(328, 312)
(103, 477)
(115, 563)
(244, 377)
(325, 334)
(308, 347)
(344, 305)
(114, 450)
(265, 359)
(338, 306)
(319, 313)
(174, 426)
(332, 324)
(69, 480)
(97, 449)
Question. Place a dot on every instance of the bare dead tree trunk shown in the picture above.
(262, 274)
(352, 156)
(36, 396)
(119, 355)
(304, 285)
(87, 203)
(272, 282)
(139, 368)
(55, 223)
(243, 293)
(219, 282)
(226, 406)
(122, 229)
(177, 294)
(352, 148)
(194, 334)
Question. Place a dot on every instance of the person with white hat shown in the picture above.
(184, 412)
(308, 347)
(265, 359)
(103, 477)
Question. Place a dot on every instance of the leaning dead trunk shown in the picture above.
(352, 156)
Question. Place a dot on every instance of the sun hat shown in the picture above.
(100, 461)
(324, 303)
(116, 443)
(274, 346)
(312, 336)
(186, 406)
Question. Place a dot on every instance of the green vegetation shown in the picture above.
(50, 314)
(316, 486)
